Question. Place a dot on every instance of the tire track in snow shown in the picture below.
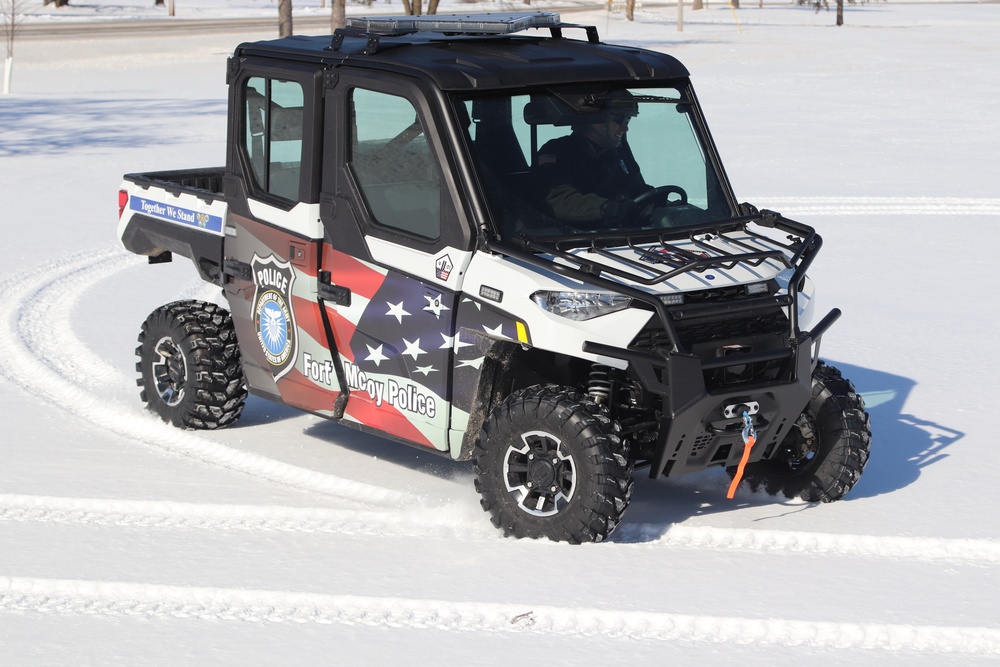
(832, 544)
(154, 601)
(45, 319)
(455, 522)
(881, 205)
(39, 357)
(452, 521)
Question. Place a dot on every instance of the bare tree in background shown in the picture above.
(171, 10)
(10, 21)
(338, 19)
(284, 18)
(415, 7)
(820, 4)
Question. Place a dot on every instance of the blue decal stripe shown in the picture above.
(183, 216)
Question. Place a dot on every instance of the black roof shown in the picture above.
(478, 62)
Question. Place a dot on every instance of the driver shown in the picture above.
(589, 178)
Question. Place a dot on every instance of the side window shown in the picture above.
(273, 140)
(393, 163)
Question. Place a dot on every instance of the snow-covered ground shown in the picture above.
(290, 540)
(117, 10)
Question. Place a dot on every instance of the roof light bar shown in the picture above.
(482, 24)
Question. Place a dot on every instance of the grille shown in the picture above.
(705, 338)
(694, 332)
(718, 330)
(719, 294)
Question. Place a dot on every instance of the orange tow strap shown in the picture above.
(749, 437)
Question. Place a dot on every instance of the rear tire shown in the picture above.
(190, 366)
(823, 455)
(549, 463)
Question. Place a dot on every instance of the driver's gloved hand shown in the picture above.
(619, 210)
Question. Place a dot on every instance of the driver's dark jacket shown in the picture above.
(574, 180)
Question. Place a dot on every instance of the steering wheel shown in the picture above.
(660, 196)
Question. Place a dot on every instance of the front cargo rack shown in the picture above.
(486, 24)
(796, 252)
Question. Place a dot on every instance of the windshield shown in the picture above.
(591, 159)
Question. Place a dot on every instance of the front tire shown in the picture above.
(190, 366)
(825, 452)
(549, 464)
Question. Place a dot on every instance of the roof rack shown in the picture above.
(373, 29)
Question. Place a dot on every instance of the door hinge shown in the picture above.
(238, 270)
(336, 294)
(232, 68)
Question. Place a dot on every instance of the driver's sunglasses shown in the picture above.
(619, 119)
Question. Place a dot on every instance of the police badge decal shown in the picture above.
(272, 312)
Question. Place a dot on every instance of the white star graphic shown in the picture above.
(453, 341)
(426, 370)
(375, 354)
(413, 349)
(396, 311)
(496, 331)
(478, 305)
(474, 363)
(434, 305)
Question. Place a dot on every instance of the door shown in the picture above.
(274, 239)
(395, 249)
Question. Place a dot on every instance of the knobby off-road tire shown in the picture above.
(825, 452)
(189, 365)
(549, 463)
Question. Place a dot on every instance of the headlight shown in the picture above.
(581, 305)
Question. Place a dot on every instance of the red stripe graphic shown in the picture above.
(349, 272)
(297, 390)
(308, 319)
(343, 331)
(385, 418)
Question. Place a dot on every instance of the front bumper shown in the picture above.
(699, 428)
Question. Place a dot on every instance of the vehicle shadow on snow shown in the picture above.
(902, 446)
(262, 411)
(419, 459)
(50, 126)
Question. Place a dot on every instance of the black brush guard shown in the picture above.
(695, 431)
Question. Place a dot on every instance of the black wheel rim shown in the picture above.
(169, 369)
(540, 474)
